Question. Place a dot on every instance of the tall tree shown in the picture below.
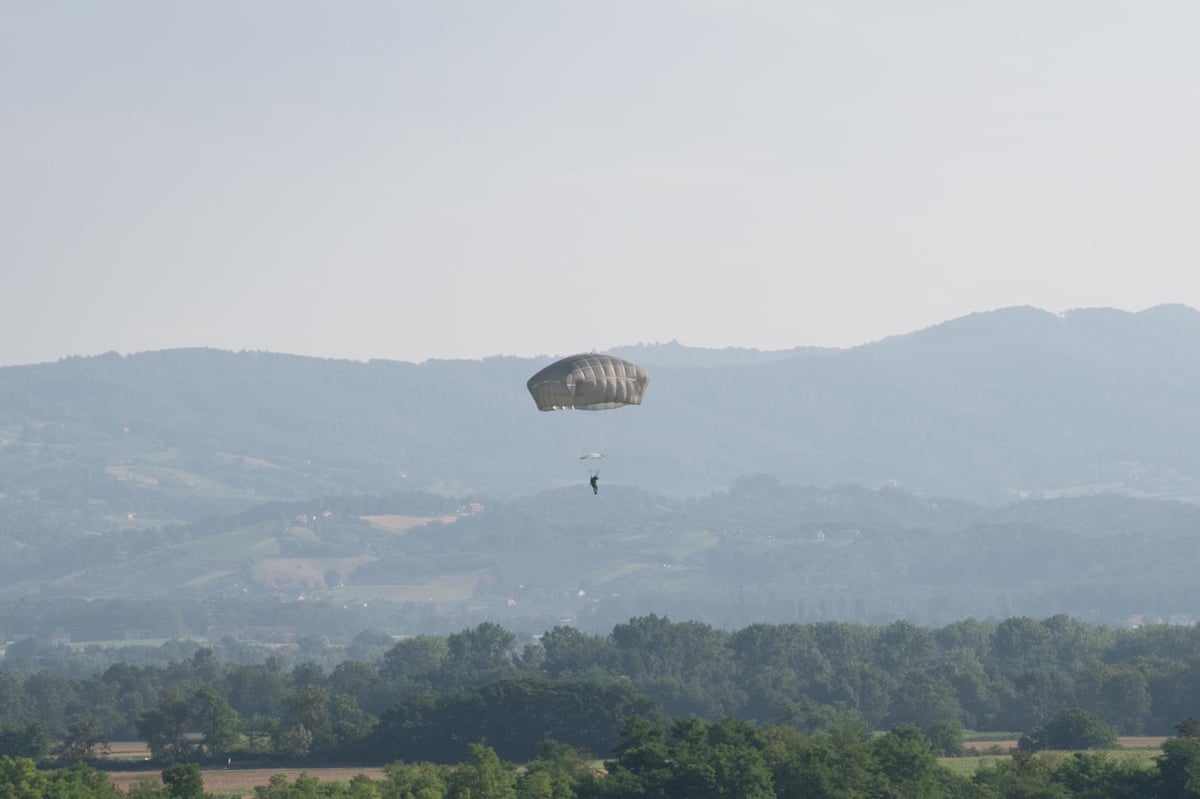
(483, 774)
(165, 727)
(1179, 769)
(85, 738)
(219, 724)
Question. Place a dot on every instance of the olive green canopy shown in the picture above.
(588, 382)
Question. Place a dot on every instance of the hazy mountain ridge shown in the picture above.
(1017, 402)
(672, 353)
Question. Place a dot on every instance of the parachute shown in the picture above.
(588, 382)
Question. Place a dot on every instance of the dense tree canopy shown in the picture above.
(1061, 683)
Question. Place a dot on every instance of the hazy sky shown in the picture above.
(442, 179)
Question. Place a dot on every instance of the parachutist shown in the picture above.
(588, 382)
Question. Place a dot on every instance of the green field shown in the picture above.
(119, 643)
(967, 766)
(448, 588)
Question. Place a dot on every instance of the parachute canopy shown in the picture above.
(588, 382)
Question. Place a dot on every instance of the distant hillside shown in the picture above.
(202, 473)
(762, 551)
(993, 406)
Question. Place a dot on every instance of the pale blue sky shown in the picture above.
(460, 179)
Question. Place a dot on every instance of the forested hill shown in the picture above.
(763, 551)
(1018, 402)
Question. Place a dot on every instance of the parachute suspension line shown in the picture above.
(593, 463)
(589, 382)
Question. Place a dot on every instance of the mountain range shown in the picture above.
(990, 407)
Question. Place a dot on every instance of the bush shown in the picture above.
(1073, 728)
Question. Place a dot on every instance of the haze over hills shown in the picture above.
(990, 407)
(1003, 463)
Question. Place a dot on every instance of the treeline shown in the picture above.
(692, 759)
(429, 696)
